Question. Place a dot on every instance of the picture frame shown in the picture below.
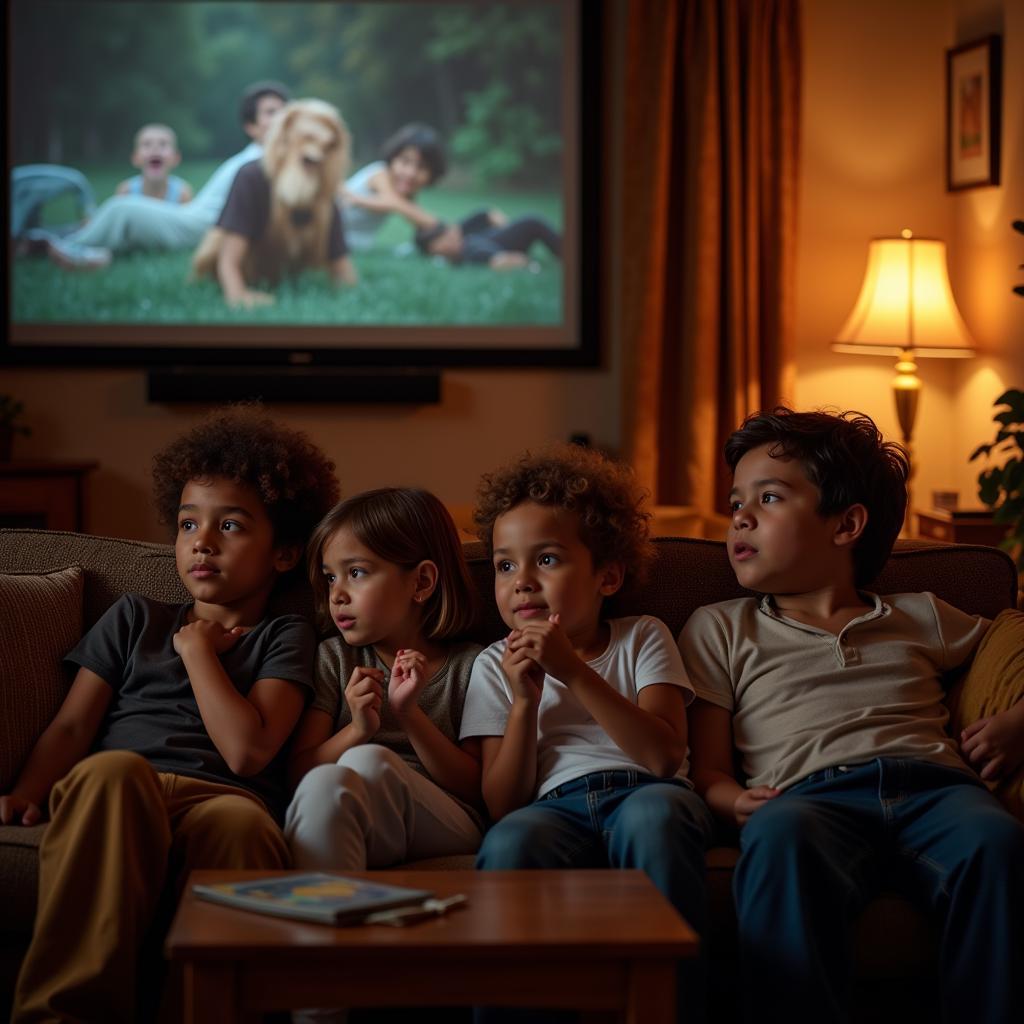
(973, 114)
(565, 333)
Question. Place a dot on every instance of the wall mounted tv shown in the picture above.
(511, 88)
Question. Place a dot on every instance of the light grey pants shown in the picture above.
(141, 222)
(371, 810)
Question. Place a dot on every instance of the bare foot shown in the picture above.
(74, 256)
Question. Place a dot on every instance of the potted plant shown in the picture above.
(10, 424)
(1001, 487)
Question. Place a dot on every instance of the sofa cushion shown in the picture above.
(993, 683)
(40, 621)
(19, 878)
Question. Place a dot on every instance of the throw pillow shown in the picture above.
(994, 682)
(40, 621)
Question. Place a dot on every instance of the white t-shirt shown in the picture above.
(570, 743)
(210, 199)
(362, 225)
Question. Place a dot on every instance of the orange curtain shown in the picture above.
(709, 158)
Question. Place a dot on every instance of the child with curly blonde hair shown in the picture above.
(582, 717)
(166, 754)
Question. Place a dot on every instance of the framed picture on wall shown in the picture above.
(973, 113)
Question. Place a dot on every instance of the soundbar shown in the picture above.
(328, 384)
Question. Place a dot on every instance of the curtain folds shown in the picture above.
(710, 148)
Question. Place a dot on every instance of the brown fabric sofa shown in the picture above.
(894, 942)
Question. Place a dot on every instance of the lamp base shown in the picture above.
(906, 389)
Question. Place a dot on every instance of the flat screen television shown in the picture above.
(511, 87)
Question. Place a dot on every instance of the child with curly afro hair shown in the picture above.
(613, 523)
(581, 719)
(166, 755)
(294, 479)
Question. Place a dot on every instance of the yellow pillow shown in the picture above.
(993, 683)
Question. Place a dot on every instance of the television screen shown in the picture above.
(449, 219)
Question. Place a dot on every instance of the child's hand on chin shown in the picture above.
(548, 645)
(525, 676)
(204, 632)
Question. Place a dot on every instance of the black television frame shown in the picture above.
(203, 345)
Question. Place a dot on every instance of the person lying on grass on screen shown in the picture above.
(488, 237)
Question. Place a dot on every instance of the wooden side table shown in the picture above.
(960, 526)
(588, 940)
(43, 495)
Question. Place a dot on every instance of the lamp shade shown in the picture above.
(905, 303)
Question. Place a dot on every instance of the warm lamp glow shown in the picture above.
(905, 303)
(905, 309)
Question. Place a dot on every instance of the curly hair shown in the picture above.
(290, 473)
(404, 526)
(844, 456)
(604, 494)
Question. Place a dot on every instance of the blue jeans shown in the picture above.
(618, 819)
(812, 858)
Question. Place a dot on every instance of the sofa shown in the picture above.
(82, 575)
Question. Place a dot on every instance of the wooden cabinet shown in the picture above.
(43, 495)
(960, 526)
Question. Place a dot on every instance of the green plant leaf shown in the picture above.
(988, 488)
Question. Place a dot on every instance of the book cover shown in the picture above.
(329, 899)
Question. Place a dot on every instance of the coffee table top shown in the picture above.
(595, 912)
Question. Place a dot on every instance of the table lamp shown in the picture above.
(906, 309)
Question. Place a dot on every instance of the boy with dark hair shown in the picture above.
(581, 718)
(252, 103)
(425, 141)
(413, 158)
(834, 699)
(166, 753)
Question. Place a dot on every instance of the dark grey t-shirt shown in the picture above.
(154, 711)
(247, 210)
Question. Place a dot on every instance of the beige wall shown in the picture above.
(484, 416)
(874, 163)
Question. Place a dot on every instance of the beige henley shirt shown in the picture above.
(803, 699)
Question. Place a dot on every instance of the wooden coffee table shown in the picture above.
(587, 940)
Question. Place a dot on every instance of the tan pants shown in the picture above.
(119, 832)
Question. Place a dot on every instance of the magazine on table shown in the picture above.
(329, 899)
